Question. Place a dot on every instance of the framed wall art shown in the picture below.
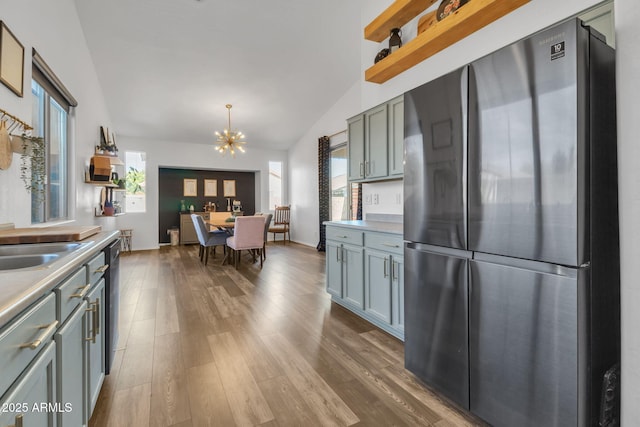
(11, 61)
(190, 187)
(229, 186)
(210, 188)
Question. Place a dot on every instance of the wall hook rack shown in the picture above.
(14, 124)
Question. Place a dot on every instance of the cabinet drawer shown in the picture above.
(345, 235)
(96, 268)
(391, 243)
(23, 338)
(70, 293)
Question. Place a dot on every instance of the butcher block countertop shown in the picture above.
(13, 236)
(21, 288)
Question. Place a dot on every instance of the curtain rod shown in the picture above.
(337, 133)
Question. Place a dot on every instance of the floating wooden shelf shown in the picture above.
(108, 184)
(395, 16)
(465, 21)
(113, 160)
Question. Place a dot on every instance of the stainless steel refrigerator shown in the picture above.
(511, 230)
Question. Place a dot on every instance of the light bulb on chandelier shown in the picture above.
(230, 140)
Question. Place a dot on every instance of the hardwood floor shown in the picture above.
(216, 346)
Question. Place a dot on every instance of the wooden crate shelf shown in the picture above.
(465, 21)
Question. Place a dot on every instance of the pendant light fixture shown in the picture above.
(229, 140)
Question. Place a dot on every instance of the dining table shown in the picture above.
(219, 221)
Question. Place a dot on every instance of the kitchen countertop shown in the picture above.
(380, 226)
(21, 288)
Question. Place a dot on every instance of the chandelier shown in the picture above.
(229, 140)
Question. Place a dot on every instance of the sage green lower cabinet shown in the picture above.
(334, 268)
(344, 265)
(95, 347)
(397, 293)
(367, 275)
(71, 373)
(378, 285)
(352, 264)
(31, 400)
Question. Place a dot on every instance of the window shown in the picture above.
(52, 105)
(339, 196)
(275, 184)
(135, 175)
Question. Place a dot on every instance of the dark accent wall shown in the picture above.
(170, 184)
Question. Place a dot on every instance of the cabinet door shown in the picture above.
(378, 285)
(187, 230)
(375, 137)
(355, 129)
(397, 292)
(71, 352)
(396, 136)
(95, 348)
(31, 400)
(334, 268)
(352, 271)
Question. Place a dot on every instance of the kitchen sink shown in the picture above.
(39, 248)
(15, 262)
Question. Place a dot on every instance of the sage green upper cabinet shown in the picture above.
(376, 139)
(375, 142)
(396, 136)
(355, 129)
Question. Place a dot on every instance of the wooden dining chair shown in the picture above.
(281, 223)
(248, 235)
(267, 225)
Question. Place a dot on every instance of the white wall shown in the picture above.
(382, 198)
(188, 156)
(627, 16)
(303, 168)
(53, 29)
(528, 19)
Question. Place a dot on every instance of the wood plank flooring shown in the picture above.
(216, 346)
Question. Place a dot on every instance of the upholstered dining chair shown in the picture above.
(267, 224)
(281, 223)
(248, 234)
(208, 239)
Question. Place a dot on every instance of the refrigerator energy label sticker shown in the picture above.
(557, 50)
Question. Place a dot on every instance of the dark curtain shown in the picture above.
(359, 209)
(324, 187)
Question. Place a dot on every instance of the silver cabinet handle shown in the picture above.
(97, 316)
(93, 310)
(361, 169)
(18, 423)
(338, 254)
(394, 277)
(342, 237)
(390, 245)
(102, 269)
(385, 268)
(83, 291)
(48, 330)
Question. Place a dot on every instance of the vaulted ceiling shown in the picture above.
(168, 67)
